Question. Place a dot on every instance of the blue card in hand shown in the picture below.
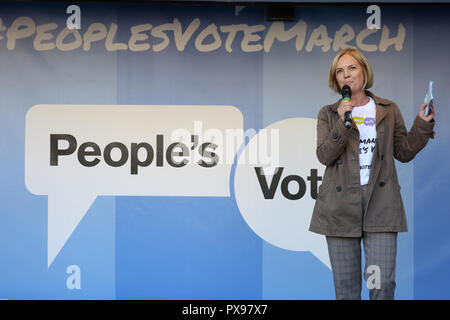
(428, 98)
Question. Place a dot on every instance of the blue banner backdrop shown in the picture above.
(200, 247)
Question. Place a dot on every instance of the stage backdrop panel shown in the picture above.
(168, 151)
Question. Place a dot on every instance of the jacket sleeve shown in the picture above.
(330, 143)
(408, 144)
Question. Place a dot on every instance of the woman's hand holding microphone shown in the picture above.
(343, 108)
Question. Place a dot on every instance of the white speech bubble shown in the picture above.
(281, 221)
(73, 185)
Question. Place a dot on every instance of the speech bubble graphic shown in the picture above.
(74, 153)
(277, 202)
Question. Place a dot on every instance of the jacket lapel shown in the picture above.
(380, 115)
(380, 112)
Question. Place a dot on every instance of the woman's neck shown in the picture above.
(360, 98)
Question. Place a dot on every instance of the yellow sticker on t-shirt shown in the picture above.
(358, 120)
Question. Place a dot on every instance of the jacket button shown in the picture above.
(381, 184)
(335, 136)
(339, 161)
(338, 189)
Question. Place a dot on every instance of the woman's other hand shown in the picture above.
(430, 115)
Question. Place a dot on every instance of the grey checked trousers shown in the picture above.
(380, 249)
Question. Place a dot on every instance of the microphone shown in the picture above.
(346, 92)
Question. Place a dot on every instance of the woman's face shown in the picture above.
(349, 72)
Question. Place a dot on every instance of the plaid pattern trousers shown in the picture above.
(380, 249)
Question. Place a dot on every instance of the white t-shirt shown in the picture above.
(364, 117)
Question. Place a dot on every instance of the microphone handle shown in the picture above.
(347, 118)
(348, 121)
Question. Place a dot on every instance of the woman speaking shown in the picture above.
(359, 198)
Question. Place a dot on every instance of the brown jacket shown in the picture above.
(338, 208)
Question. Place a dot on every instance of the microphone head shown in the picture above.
(346, 92)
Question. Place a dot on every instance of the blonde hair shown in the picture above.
(362, 60)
